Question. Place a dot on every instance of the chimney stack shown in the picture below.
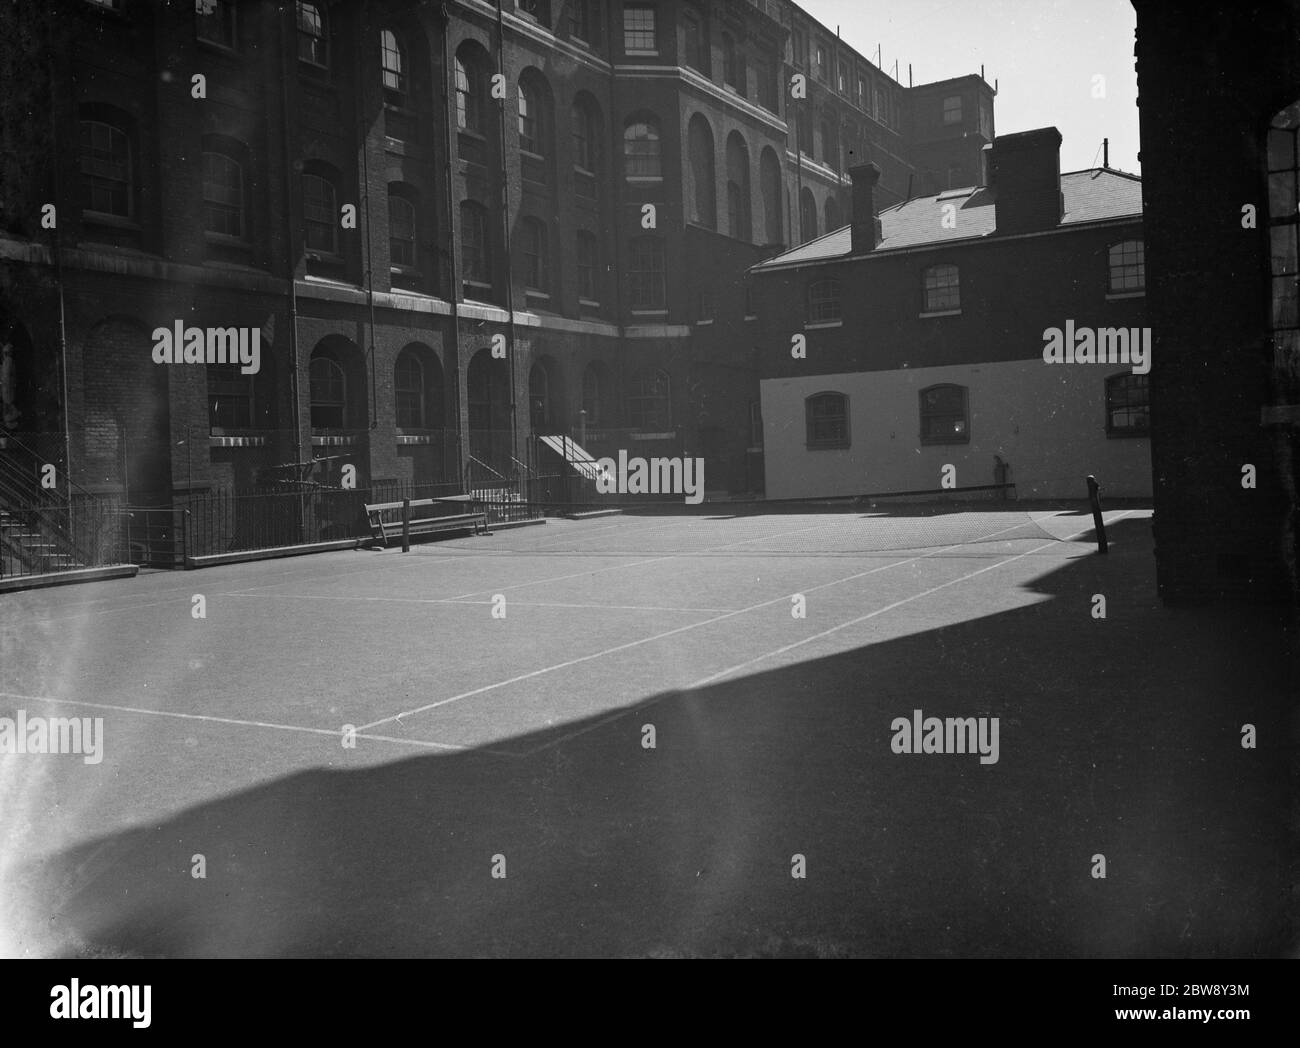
(1027, 176)
(865, 225)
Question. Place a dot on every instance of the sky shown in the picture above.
(1045, 55)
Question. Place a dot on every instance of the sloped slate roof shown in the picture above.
(1090, 196)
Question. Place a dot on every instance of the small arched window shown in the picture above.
(393, 58)
(945, 415)
(534, 247)
(826, 419)
(641, 153)
(107, 176)
(313, 34)
(408, 390)
(476, 248)
(647, 280)
(320, 214)
(401, 232)
(328, 386)
(942, 289)
(471, 86)
(649, 401)
(223, 194)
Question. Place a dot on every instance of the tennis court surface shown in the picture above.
(644, 722)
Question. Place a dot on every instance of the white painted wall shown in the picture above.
(1048, 421)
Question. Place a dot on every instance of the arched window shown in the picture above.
(313, 34)
(534, 114)
(533, 247)
(945, 415)
(230, 398)
(401, 231)
(646, 277)
(409, 390)
(588, 254)
(823, 302)
(471, 88)
(826, 420)
(704, 182)
(942, 289)
(1128, 267)
(476, 247)
(328, 391)
(223, 193)
(740, 222)
(769, 179)
(1128, 410)
(592, 394)
(393, 58)
(641, 154)
(107, 173)
(649, 401)
(832, 215)
(807, 214)
(320, 213)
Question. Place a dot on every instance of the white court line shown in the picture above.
(649, 640)
(641, 707)
(473, 603)
(332, 733)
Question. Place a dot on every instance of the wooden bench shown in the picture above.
(420, 522)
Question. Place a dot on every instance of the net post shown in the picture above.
(1094, 497)
(406, 525)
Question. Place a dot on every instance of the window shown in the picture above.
(214, 22)
(580, 20)
(641, 156)
(1284, 225)
(319, 214)
(591, 394)
(729, 60)
(530, 124)
(1128, 267)
(538, 9)
(533, 246)
(646, 276)
(476, 251)
(393, 57)
(863, 96)
(882, 108)
(1127, 405)
(588, 254)
(830, 143)
(799, 47)
(986, 120)
(470, 88)
(230, 398)
(820, 69)
(826, 416)
(823, 301)
(223, 195)
(832, 215)
(842, 79)
(942, 289)
(695, 54)
(767, 87)
(704, 311)
(944, 415)
(952, 109)
(408, 390)
(313, 34)
(703, 188)
(649, 402)
(106, 174)
(804, 132)
(807, 214)
(328, 391)
(639, 28)
(401, 232)
(738, 221)
(586, 135)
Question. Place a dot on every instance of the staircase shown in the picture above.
(35, 524)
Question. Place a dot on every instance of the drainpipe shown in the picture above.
(619, 181)
(58, 279)
(505, 229)
(453, 217)
(363, 93)
(292, 254)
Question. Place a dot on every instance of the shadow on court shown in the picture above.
(1119, 737)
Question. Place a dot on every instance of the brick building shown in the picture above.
(913, 340)
(1219, 102)
(387, 191)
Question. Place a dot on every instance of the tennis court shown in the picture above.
(500, 688)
